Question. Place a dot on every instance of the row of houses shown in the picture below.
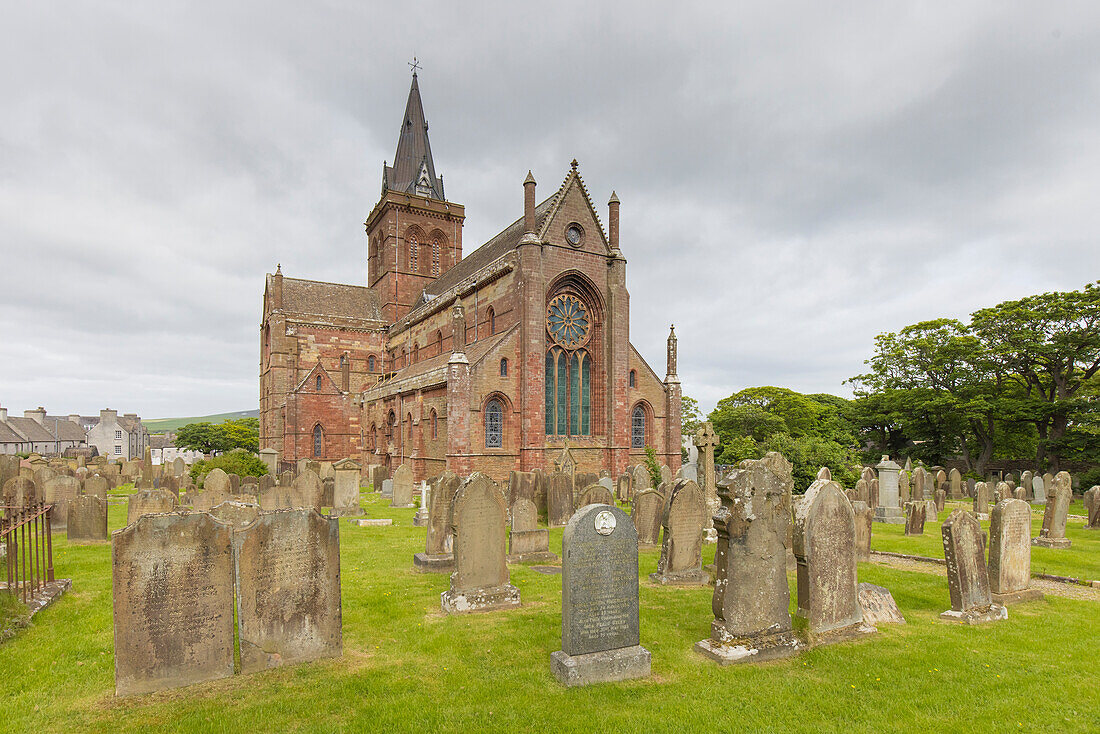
(109, 434)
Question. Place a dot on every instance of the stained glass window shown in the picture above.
(317, 441)
(318, 383)
(568, 393)
(551, 361)
(562, 409)
(494, 425)
(637, 428)
(567, 321)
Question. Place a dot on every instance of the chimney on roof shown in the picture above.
(38, 415)
(130, 416)
(107, 415)
(75, 418)
(3, 414)
(529, 204)
(613, 222)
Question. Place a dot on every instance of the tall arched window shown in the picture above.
(494, 424)
(416, 352)
(370, 363)
(318, 383)
(435, 425)
(439, 341)
(504, 367)
(318, 441)
(633, 378)
(437, 248)
(414, 246)
(492, 321)
(573, 331)
(372, 441)
(637, 428)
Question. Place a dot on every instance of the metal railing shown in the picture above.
(28, 545)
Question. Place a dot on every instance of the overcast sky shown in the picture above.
(795, 177)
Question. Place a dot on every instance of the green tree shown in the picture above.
(690, 416)
(243, 433)
(238, 462)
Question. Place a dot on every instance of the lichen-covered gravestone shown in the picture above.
(288, 589)
(235, 514)
(595, 494)
(647, 514)
(864, 518)
(308, 490)
(60, 491)
(878, 605)
(345, 493)
(402, 487)
(824, 548)
(438, 556)
(480, 581)
(1053, 532)
(600, 637)
(642, 478)
(681, 560)
(623, 488)
(954, 485)
(172, 579)
(559, 498)
(526, 540)
(20, 492)
(982, 500)
(967, 576)
(216, 488)
(1092, 508)
(149, 502)
(914, 518)
(1010, 553)
(751, 596)
(87, 520)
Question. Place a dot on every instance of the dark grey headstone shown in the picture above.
(967, 576)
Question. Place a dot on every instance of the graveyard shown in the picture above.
(406, 665)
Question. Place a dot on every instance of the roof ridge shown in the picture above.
(573, 175)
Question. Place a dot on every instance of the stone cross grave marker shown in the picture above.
(706, 440)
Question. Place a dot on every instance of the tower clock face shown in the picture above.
(568, 321)
(574, 235)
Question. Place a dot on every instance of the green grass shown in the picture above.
(1080, 560)
(408, 667)
(164, 425)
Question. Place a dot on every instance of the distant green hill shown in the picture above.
(164, 425)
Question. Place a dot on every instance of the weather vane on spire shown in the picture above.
(414, 65)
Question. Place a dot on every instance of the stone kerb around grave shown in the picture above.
(600, 636)
(288, 589)
(480, 581)
(172, 579)
(1010, 553)
(825, 551)
(681, 560)
(967, 575)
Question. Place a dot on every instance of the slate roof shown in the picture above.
(31, 429)
(319, 298)
(65, 430)
(7, 435)
(413, 151)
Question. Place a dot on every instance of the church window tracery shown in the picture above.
(637, 428)
(494, 424)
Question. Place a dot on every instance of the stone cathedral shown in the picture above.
(489, 363)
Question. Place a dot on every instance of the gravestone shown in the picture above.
(920, 478)
(179, 467)
(967, 575)
(825, 552)
(308, 489)
(862, 491)
(1010, 553)
(878, 605)
(954, 484)
(60, 491)
(864, 518)
(345, 493)
(666, 475)
(149, 502)
(682, 546)
(914, 518)
(1092, 508)
(941, 479)
(328, 491)
(1003, 491)
(20, 492)
(288, 589)
(610, 484)
(904, 490)
(402, 487)
(377, 476)
(480, 580)
(594, 494)
(1027, 483)
(642, 479)
(1048, 486)
(687, 471)
(235, 514)
(584, 479)
(266, 482)
(1038, 491)
(172, 583)
(888, 509)
(216, 488)
(438, 549)
(87, 520)
(387, 489)
(526, 540)
(825, 473)
(623, 488)
(751, 596)
(559, 498)
(982, 500)
(1053, 532)
(867, 474)
(647, 514)
(600, 637)
(522, 484)
(940, 502)
(43, 475)
(420, 519)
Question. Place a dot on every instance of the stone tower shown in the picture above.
(414, 234)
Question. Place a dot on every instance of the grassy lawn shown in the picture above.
(408, 667)
(1081, 560)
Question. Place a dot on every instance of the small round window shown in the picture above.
(574, 235)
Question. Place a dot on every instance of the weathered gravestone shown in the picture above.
(20, 492)
(684, 520)
(666, 475)
(687, 471)
(1092, 508)
(328, 491)
(308, 490)
(914, 518)
(825, 473)
(599, 593)
(624, 488)
(751, 597)
(967, 576)
(919, 479)
(216, 488)
(345, 493)
(888, 508)
(982, 499)
(87, 520)
(584, 479)
(60, 491)
(43, 475)
(940, 502)
(377, 476)
(862, 491)
(642, 479)
(526, 540)
(402, 487)
(438, 555)
(594, 494)
(609, 483)
(522, 484)
(878, 605)
(480, 580)
(864, 518)
(96, 485)
(1053, 532)
(559, 498)
(954, 484)
(1038, 491)
(566, 463)
(904, 490)
(647, 514)
(825, 551)
(1027, 483)
(172, 579)
(1048, 488)
(387, 489)
(179, 467)
(1010, 553)
(288, 589)
(149, 502)
(235, 514)
(1002, 491)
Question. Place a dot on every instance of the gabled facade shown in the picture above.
(490, 362)
(120, 438)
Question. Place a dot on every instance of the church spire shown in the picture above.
(413, 170)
